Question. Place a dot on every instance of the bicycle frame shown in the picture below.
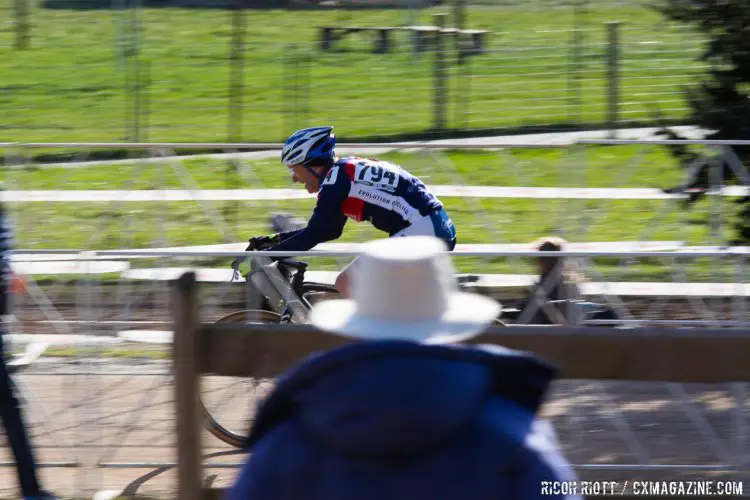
(275, 282)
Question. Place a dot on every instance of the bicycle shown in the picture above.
(293, 273)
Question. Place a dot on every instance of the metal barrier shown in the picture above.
(104, 395)
(115, 414)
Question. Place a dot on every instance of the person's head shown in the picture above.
(309, 154)
(405, 289)
(563, 275)
(549, 244)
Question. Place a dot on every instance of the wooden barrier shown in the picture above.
(639, 354)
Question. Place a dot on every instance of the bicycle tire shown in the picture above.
(211, 423)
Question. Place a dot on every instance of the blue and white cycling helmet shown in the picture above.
(309, 145)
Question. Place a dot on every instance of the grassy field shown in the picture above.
(71, 85)
(138, 225)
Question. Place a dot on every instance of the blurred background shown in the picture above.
(200, 71)
(134, 124)
(244, 70)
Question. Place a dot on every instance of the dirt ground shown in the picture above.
(114, 418)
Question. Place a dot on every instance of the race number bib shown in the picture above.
(380, 175)
(333, 174)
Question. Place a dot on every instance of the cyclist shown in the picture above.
(383, 193)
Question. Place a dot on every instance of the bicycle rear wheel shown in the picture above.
(228, 403)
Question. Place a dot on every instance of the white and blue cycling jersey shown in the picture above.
(390, 198)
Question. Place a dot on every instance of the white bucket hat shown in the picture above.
(405, 288)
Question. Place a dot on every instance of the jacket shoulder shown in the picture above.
(284, 453)
(520, 439)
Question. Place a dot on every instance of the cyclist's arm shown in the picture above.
(319, 229)
(326, 224)
(288, 234)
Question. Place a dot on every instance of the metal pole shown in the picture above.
(236, 91)
(295, 89)
(127, 91)
(137, 98)
(440, 91)
(463, 92)
(287, 110)
(305, 65)
(132, 81)
(145, 103)
(575, 66)
(21, 31)
(613, 83)
(459, 14)
(236, 70)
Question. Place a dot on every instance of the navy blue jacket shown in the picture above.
(402, 421)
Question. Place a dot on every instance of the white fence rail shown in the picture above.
(506, 192)
(470, 143)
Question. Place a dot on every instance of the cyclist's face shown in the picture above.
(301, 175)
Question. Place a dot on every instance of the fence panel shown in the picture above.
(99, 397)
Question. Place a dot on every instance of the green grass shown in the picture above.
(69, 86)
(139, 225)
(621, 166)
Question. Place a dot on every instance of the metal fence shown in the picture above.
(100, 400)
(102, 409)
(179, 74)
(160, 195)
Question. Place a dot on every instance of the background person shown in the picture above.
(10, 411)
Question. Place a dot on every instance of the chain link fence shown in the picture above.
(83, 70)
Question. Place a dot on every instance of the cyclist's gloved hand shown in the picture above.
(263, 242)
(241, 264)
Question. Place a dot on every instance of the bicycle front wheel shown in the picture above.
(229, 403)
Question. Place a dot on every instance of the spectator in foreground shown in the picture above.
(10, 413)
(403, 414)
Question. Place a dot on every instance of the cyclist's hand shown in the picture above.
(241, 264)
(263, 242)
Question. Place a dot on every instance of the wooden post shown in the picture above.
(185, 351)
